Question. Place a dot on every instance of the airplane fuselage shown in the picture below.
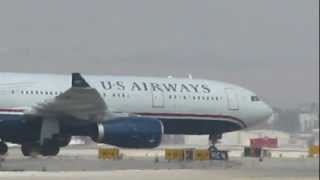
(185, 106)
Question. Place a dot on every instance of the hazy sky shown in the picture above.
(268, 46)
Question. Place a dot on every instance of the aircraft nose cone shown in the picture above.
(267, 111)
(260, 114)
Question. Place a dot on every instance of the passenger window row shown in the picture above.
(204, 98)
(118, 95)
(36, 92)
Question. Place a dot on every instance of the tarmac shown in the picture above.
(82, 163)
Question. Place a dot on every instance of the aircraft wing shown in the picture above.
(81, 101)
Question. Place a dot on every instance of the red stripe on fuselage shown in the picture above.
(12, 110)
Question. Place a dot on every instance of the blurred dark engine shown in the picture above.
(130, 132)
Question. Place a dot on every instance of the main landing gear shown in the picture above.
(49, 148)
(3, 148)
(215, 153)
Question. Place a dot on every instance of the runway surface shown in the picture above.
(82, 163)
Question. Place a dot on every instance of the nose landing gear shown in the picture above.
(215, 153)
(213, 140)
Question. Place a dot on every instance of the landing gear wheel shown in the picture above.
(50, 149)
(3, 148)
(29, 149)
(62, 141)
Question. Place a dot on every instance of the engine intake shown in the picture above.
(130, 132)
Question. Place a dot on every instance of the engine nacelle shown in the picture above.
(130, 132)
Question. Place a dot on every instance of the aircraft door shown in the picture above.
(232, 99)
(157, 99)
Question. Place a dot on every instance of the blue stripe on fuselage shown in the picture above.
(198, 127)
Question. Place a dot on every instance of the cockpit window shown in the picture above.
(255, 98)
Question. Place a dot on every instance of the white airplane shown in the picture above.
(43, 111)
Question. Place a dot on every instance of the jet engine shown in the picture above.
(130, 132)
